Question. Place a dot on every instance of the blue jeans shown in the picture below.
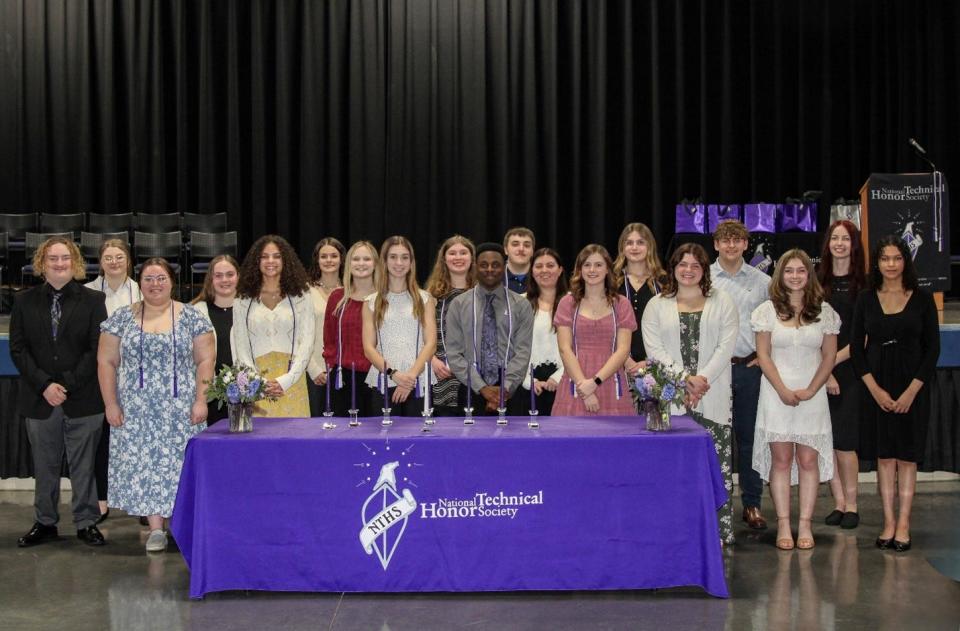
(746, 393)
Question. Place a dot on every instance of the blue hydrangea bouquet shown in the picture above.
(658, 387)
(240, 387)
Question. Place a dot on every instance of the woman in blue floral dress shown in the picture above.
(152, 356)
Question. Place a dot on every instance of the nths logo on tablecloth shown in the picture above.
(384, 515)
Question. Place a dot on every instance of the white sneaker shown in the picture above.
(157, 541)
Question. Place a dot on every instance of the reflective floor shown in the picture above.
(845, 583)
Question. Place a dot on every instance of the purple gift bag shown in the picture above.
(691, 217)
(717, 213)
(796, 216)
(760, 217)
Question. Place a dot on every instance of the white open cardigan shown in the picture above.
(718, 335)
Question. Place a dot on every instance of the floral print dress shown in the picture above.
(721, 434)
(146, 452)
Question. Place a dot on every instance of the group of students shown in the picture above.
(497, 323)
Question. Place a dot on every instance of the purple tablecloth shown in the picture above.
(579, 504)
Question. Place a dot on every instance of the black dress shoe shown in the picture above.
(901, 546)
(884, 544)
(834, 518)
(144, 522)
(850, 520)
(91, 536)
(38, 534)
(103, 517)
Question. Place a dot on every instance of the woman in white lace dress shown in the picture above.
(796, 347)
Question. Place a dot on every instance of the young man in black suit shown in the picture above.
(54, 332)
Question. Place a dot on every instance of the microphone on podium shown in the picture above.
(921, 152)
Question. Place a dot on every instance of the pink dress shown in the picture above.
(594, 345)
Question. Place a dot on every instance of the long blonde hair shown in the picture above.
(439, 283)
(383, 283)
(348, 272)
(207, 292)
(654, 266)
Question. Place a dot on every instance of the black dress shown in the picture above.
(638, 300)
(222, 320)
(845, 407)
(900, 347)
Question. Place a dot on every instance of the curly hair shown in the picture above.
(120, 244)
(77, 265)
(731, 229)
(313, 270)
(533, 289)
(858, 263)
(909, 279)
(207, 292)
(671, 286)
(439, 284)
(293, 278)
(812, 293)
(383, 283)
(654, 267)
(577, 287)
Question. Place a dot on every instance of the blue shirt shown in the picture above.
(748, 288)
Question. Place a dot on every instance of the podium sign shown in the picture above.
(916, 208)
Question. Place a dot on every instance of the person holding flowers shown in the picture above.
(692, 326)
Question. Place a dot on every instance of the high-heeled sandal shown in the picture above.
(805, 543)
(784, 543)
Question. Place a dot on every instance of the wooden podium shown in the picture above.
(915, 207)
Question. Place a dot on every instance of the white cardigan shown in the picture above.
(718, 335)
(275, 330)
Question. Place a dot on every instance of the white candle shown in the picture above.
(426, 390)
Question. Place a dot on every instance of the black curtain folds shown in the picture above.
(364, 118)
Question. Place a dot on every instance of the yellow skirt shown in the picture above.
(295, 402)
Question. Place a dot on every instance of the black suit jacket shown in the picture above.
(70, 360)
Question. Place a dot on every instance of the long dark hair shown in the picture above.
(670, 285)
(313, 270)
(909, 278)
(533, 289)
(293, 278)
(858, 263)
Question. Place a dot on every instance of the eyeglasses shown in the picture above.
(119, 258)
(159, 280)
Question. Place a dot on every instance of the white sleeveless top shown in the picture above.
(398, 335)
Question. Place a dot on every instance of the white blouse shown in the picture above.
(126, 294)
(397, 339)
(544, 349)
(258, 331)
(317, 365)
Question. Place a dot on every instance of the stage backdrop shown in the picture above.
(426, 117)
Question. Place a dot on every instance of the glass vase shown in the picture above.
(241, 417)
(657, 414)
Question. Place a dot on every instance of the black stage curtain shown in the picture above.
(363, 118)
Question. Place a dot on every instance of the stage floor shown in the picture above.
(844, 583)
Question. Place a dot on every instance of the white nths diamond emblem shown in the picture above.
(383, 510)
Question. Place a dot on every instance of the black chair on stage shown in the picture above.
(17, 225)
(90, 243)
(51, 223)
(110, 223)
(205, 246)
(32, 241)
(168, 245)
(156, 223)
(204, 222)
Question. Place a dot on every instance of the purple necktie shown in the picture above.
(489, 355)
